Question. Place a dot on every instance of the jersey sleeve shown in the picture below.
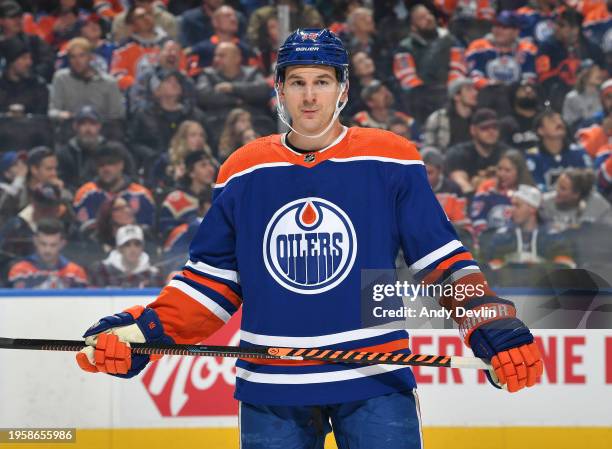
(433, 252)
(204, 296)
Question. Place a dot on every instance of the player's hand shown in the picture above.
(508, 344)
(109, 339)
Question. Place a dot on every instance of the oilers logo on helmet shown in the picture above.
(309, 246)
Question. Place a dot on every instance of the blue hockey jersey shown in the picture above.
(546, 167)
(286, 239)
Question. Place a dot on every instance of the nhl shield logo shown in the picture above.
(309, 246)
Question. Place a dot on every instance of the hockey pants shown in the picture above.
(391, 421)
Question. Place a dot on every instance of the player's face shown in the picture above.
(507, 175)
(48, 247)
(310, 94)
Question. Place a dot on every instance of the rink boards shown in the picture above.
(187, 402)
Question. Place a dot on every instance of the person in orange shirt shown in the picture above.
(141, 50)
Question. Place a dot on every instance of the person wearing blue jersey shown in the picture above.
(295, 218)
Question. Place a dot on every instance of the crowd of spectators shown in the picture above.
(115, 116)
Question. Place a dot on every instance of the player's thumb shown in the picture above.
(86, 360)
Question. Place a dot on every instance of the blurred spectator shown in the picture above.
(81, 84)
(426, 61)
(184, 204)
(300, 16)
(92, 28)
(583, 101)
(238, 120)
(111, 181)
(519, 123)
(13, 172)
(228, 84)
(21, 91)
(362, 73)
(267, 45)
(113, 214)
(11, 22)
(61, 24)
(225, 24)
(196, 23)
(170, 58)
(380, 113)
(447, 192)
(170, 166)
(490, 208)
(596, 140)
(605, 95)
(469, 19)
(76, 158)
(152, 127)
(470, 163)
(128, 265)
(559, 57)
(575, 202)
(47, 268)
(16, 234)
(360, 35)
(42, 169)
(248, 135)
(161, 18)
(538, 18)
(598, 23)
(554, 152)
(502, 58)
(140, 50)
(525, 242)
(451, 125)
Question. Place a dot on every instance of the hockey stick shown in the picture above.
(298, 354)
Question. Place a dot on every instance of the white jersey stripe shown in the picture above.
(313, 342)
(213, 271)
(377, 158)
(315, 378)
(435, 255)
(211, 305)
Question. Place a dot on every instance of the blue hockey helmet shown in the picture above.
(313, 46)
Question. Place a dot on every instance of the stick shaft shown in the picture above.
(322, 355)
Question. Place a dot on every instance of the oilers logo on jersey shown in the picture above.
(309, 246)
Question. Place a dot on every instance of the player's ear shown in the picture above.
(345, 91)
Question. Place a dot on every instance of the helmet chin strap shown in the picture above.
(282, 113)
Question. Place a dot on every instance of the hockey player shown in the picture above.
(294, 219)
